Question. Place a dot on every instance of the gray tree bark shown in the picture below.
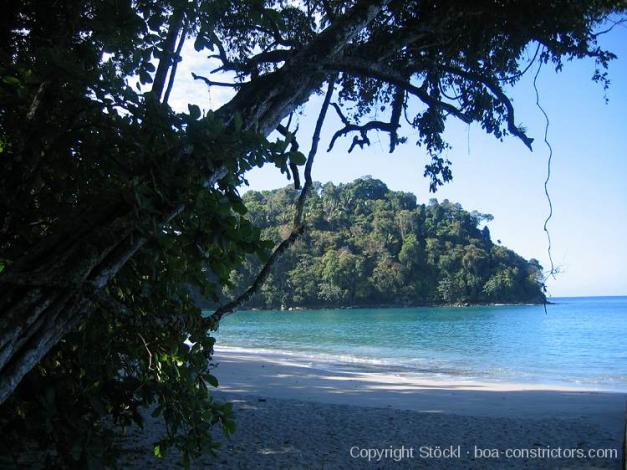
(47, 292)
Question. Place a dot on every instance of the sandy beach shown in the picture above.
(292, 414)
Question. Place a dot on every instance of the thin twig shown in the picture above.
(214, 83)
(36, 101)
(148, 350)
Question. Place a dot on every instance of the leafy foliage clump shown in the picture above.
(94, 155)
(366, 245)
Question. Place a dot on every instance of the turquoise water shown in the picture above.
(578, 342)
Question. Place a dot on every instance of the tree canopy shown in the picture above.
(113, 205)
(368, 246)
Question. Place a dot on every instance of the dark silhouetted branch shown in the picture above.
(363, 129)
(298, 225)
(385, 74)
(176, 60)
(214, 83)
(291, 138)
(176, 22)
(495, 88)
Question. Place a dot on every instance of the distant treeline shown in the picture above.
(368, 246)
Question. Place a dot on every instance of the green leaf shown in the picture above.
(199, 43)
(11, 80)
(297, 158)
(194, 111)
(144, 77)
(154, 22)
(229, 426)
(213, 381)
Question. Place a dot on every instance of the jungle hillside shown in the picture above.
(366, 245)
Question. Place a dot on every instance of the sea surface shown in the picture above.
(580, 342)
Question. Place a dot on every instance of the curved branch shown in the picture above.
(389, 127)
(298, 227)
(250, 65)
(377, 71)
(385, 74)
(496, 90)
(363, 131)
(214, 83)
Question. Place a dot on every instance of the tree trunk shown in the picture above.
(48, 291)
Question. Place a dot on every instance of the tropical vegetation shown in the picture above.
(114, 206)
(366, 245)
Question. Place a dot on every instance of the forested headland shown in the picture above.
(366, 245)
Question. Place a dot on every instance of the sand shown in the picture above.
(293, 414)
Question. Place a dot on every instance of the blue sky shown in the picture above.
(588, 185)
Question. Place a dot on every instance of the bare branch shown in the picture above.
(36, 100)
(361, 140)
(215, 40)
(252, 64)
(298, 216)
(214, 83)
(613, 24)
(147, 350)
(363, 132)
(294, 170)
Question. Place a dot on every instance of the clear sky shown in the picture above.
(589, 171)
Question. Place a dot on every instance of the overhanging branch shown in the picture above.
(215, 83)
(495, 88)
(385, 74)
(363, 130)
(298, 225)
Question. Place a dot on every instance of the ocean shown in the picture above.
(579, 342)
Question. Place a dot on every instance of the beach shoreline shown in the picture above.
(209, 308)
(385, 370)
(295, 415)
(281, 376)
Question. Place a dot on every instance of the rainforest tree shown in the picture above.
(382, 249)
(113, 206)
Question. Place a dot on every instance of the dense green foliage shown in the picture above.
(112, 204)
(367, 245)
(91, 142)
